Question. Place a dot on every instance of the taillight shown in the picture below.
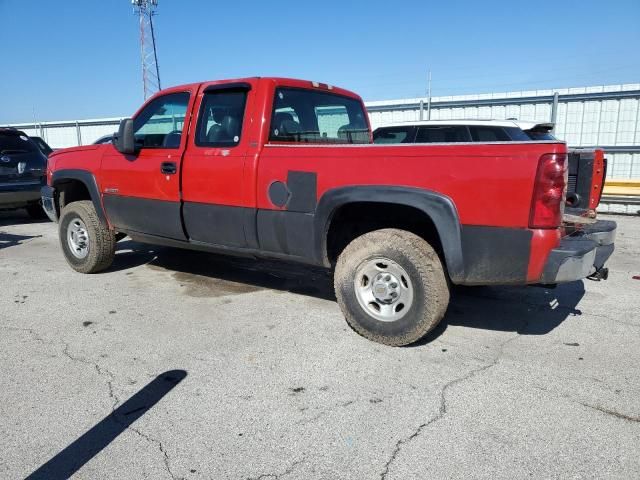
(597, 178)
(549, 191)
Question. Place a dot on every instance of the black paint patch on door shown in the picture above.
(304, 191)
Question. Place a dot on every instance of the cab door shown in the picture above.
(141, 193)
(219, 205)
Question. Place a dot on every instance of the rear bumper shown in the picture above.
(17, 195)
(48, 202)
(580, 254)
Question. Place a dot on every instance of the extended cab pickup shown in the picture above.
(274, 167)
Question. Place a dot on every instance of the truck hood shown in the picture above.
(83, 148)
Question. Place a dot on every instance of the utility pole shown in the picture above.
(146, 9)
(429, 98)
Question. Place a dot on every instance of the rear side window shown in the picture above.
(16, 143)
(308, 116)
(394, 135)
(221, 117)
(442, 134)
(489, 134)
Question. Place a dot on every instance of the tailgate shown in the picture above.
(587, 171)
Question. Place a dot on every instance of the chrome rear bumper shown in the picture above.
(581, 254)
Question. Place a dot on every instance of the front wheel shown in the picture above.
(88, 245)
(391, 286)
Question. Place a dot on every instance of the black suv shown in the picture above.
(22, 172)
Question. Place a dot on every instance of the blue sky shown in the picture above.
(75, 59)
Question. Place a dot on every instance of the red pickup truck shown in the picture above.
(282, 168)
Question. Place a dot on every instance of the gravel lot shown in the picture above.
(177, 364)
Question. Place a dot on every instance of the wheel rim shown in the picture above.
(78, 238)
(383, 289)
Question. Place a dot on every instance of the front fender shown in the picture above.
(89, 181)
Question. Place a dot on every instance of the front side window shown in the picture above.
(308, 116)
(160, 123)
(221, 115)
(442, 134)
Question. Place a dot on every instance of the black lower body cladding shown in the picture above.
(494, 255)
(156, 217)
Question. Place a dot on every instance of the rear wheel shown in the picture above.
(88, 245)
(391, 286)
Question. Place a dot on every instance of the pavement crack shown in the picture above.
(110, 378)
(606, 411)
(165, 455)
(613, 413)
(100, 370)
(442, 409)
(277, 476)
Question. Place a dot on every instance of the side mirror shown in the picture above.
(124, 140)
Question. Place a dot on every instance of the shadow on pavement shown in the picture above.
(18, 217)
(526, 310)
(78, 453)
(263, 274)
(10, 240)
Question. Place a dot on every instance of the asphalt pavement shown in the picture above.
(177, 364)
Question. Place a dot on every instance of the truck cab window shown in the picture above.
(308, 116)
(160, 123)
(221, 116)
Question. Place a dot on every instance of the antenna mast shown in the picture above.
(146, 9)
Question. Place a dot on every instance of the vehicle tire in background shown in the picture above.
(36, 211)
(391, 286)
(88, 245)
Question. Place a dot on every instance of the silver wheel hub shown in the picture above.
(78, 238)
(383, 289)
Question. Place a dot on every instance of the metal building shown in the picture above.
(605, 116)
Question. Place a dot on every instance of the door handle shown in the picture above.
(168, 168)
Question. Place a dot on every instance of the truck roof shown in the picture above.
(292, 82)
(523, 125)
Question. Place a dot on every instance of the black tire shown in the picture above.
(427, 281)
(35, 211)
(101, 240)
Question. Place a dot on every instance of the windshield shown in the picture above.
(16, 143)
